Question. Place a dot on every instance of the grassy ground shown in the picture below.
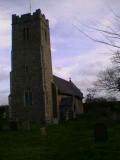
(73, 140)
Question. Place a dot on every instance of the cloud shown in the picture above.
(4, 83)
(57, 11)
(4, 73)
(3, 100)
(73, 54)
(5, 31)
(4, 97)
(83, 68)
(4, 92)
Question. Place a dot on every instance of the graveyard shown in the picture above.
(45, 71)
(73, 140)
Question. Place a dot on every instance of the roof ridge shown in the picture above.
(67, 87)
(61, 78)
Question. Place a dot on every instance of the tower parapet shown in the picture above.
(16, 19)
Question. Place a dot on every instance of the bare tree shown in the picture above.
(92, 96)
(111, 38)
(116, 59)
(91, 92)
(110, 35)
(108, 80)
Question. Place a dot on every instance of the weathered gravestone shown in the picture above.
(115, 110)
(43, 131)
(25, 125)
(55, 121)
(100, 132)
(13, 125)
(115, 117)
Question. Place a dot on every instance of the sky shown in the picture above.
(73, 54)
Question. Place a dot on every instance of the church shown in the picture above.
(36, 95)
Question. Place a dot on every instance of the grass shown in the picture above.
(73, 140)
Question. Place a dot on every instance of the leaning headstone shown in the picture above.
(100, 132)
(13, 125)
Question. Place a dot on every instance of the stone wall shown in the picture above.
(31, 68)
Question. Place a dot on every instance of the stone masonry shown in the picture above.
(31, 69)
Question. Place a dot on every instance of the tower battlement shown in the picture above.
(27, 17)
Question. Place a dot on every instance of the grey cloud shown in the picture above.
(83, 84)
(89, 72)
(4, 93)
(12, 3)
(82, 9)
(4, 76)
(4, 73)
(3, 100)
(92, 69)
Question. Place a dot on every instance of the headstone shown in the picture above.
(116, 117)
(25, 125)
(67, 116)
(6, 127)
(13, 125)
(43, 131)
(101, 133)
(55, 121)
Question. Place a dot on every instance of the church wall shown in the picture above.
(79, 105)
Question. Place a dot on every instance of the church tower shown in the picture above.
(31, 69)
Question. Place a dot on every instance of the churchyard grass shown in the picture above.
(72, 140)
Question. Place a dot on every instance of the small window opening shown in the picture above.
(27, 98)
(27, 30)
(45, 33)
(26, 34)
(26, 69)
(74, 108)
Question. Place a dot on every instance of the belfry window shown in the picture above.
(27, 30)
(26, 34)
(27, 98)
(26, 69)
(45, 34)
